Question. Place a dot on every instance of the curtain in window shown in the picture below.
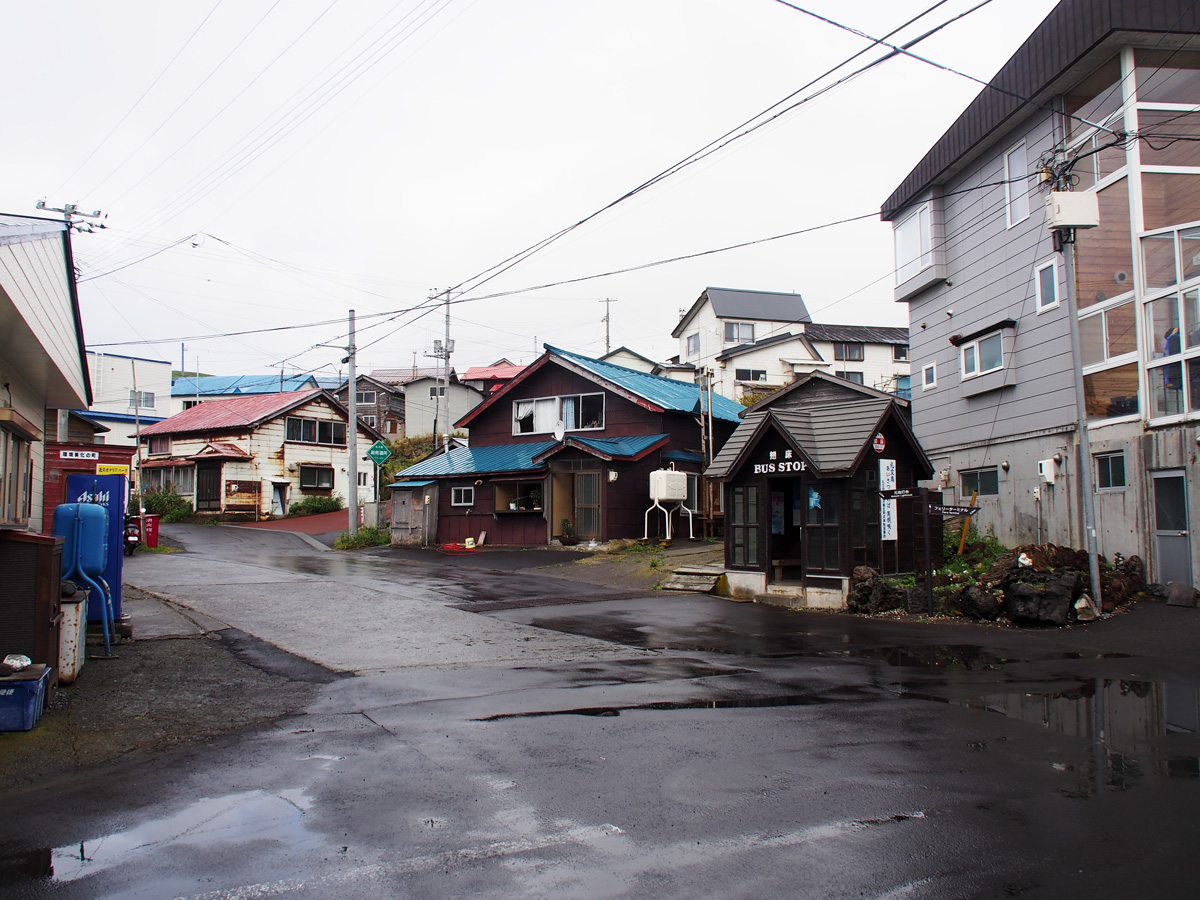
(570, 412)
(545, 413)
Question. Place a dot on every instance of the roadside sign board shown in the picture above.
(379, 453)
(939, 510)
(900, 494)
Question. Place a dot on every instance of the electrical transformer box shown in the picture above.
(666, 484)
(1072, 209)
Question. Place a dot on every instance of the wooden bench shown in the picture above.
(779, 564)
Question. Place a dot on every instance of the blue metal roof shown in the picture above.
(410, 484)
(620, 446)
(223, 385)
(687, 456)
(481, 460)
(96, 414)
(678, 396)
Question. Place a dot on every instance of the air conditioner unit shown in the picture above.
(1048, 470)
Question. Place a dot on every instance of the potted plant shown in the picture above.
(568, 538)
(535, 498)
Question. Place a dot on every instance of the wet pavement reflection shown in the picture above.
(213, 822)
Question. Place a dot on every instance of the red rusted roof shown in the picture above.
(491, 373)
(237, 412)
(221, 450)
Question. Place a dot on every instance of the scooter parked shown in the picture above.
(133, 533)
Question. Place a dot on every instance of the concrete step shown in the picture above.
(701, 584)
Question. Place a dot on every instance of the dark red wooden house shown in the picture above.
(567, 446)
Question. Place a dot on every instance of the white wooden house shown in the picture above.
(256, 455)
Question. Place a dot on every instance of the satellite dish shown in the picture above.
(559, 430)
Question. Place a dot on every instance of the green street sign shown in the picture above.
(379, 453)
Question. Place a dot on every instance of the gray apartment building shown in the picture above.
(1109, 91)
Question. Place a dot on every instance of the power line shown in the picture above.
(748, 127)
(137, 102)
(184, 101)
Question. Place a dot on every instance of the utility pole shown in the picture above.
(137, 431)
(446, 366)
(1064, 241)
(442, 351)
(351, 431)
(70, 212)
(607, 323)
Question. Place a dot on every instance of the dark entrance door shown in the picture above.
(208, 486)
(786, 530)
(1172, 545)
(822, 529)
(587, 505)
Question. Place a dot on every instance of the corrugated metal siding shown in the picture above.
(1072, 29)
(33, 274)
(991, 272)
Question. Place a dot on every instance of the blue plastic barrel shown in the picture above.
(93, 535)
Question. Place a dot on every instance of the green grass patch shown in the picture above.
(368, 536)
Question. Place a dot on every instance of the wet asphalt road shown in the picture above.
(646, 746)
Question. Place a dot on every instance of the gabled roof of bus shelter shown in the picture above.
(833, 438)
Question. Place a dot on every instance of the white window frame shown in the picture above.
(305, 470)
(1124, 472)
(162, 441)
(974, 346)
(141, 399)
(462, 496)
(900, 352)
(361, 397)
(1016, 187)
(367, 420)
(1042, 305)
(740, 330)
(927, 382)
(693, 344)
(844, 351)
(978, 474)
(558, 412)
(923, 217)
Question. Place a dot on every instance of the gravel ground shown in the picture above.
(156, 695)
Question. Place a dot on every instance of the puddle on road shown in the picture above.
(843, 695)
(212, 822)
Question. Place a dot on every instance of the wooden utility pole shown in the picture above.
(608, 323)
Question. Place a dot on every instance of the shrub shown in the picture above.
(368, 536)
(313, 505)
(168, 504)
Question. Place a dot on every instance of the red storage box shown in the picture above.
(150, 538)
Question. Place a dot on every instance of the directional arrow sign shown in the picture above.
(900, 494)
(937, 509)
(379, 453)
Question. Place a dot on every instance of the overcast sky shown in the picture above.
(269, 164)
